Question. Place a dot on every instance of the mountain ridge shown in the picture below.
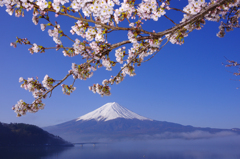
(99, 125)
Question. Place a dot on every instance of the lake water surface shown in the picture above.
(217, 148)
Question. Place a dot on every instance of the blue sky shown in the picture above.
(184, 84)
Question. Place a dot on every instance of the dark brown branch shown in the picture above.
(170, 19)
(178, 10)
(192, 19)
(68, 37)
(57, 48)
(50, 90)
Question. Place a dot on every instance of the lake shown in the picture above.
(216, 148)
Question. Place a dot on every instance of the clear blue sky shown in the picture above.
(183, 84)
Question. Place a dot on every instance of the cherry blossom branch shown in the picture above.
(158, 50)
(98, 23)
(50, 90)
(192, 19)
(96, 49)
(63, 34)
(143, 49)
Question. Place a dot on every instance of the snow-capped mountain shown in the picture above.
(111, 111)
(114, 122)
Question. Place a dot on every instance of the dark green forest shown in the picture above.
(19, 134)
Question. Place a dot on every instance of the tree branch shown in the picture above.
(170, 19)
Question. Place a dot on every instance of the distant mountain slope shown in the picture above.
(115, 122)
(28, 135)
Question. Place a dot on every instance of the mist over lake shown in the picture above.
(212, 148)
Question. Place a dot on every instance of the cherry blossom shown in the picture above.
(94, 20)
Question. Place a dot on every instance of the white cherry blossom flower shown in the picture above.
(35, 48)
(42, 4)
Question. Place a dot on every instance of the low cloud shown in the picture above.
(188, 135)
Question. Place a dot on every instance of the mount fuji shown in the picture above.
(114, 122)
(111, 111)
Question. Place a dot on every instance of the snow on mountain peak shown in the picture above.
(111, 111)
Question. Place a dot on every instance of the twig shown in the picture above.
(80, 14)
(158, 50)
(170, 19)
(73, 82)
(50, 90)
(50, 94)
(179, 10)
(130, 61)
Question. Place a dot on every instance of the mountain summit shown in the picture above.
(111, 111)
